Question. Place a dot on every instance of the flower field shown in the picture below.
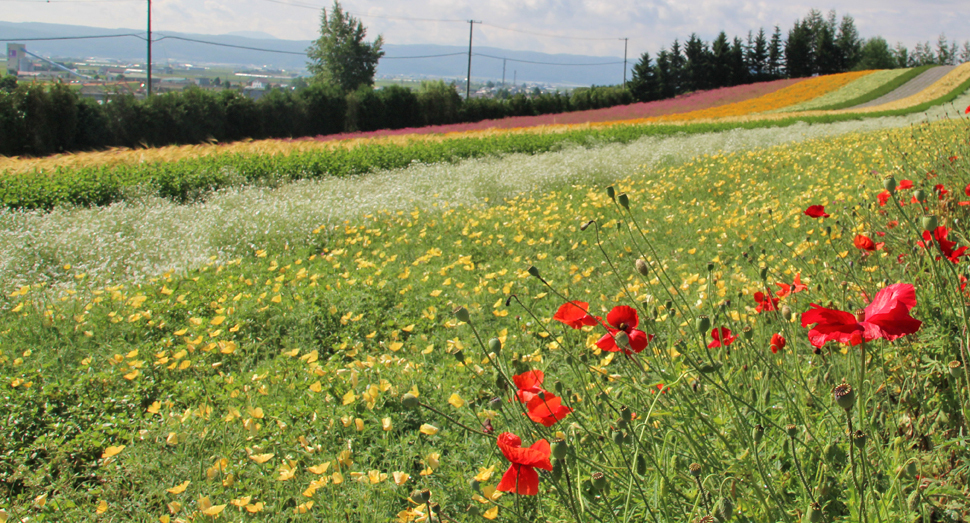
(852, 90)
(740, 330)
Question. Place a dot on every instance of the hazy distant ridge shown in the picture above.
(131, 48)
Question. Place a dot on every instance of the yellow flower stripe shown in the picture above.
(850, 91)
(940, 88)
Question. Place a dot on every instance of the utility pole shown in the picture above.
(625, 42)
(148, 65)
(468, 79)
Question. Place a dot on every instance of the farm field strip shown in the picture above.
(268, 388)
(850, 91)
(141, 238)
(913, 87)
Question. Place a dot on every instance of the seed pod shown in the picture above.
(814, 514)
(710, 266)
(791, 430)
(695, 469)
(702, 323)
(859, 439)
(460, 356)
(599, 481)
(495, 345)
(624, 201)
(621, 423)
(747, 332)
(410, 401)
(929, 222)
(920, 195)
(611, 192)
(757, 433)
(462, 314)
(534, 271)
(954, 368)
(626, 413)
(421, 496)
(844, 396)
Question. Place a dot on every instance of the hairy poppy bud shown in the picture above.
(641, 464)
(642, 267)
(889, 183)
(495, 404)
(462, 314)
(534, 271)
(560, 448)
(911, 469)
(844, 396)
(475, 485)
(758, 433)
(599, 481)
(929, 222)
(617, 437)
(410, 401)
(702, 323)
(624, 200)
(710, 266)
(724, 509)
(764, 272)
(611, 192)
(557, 468)
(460, 356)
(786, 312)
(495, 345)
(920, 195)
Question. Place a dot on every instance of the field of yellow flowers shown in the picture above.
(269, 387)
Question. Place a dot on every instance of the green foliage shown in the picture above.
(875, 54)
(341, 57)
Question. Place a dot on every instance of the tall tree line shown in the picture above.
(815, 45)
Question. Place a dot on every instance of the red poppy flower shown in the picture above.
(816, 211)
(623, 319)
(529, 384)
(547, 408)
(575, 314)
(883, 197)
(521, 476)
(905, 184)
(940, 190)
(953, 158)
(778, 342)
(946, 246)
(892, 225)
(967, 111)
(766, 302)
(886, 317)
(722, 338)
(966, 190)
(865, 243)
(796, 286)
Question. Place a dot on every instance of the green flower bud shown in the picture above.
(641, 464)
(764, 273)
(835, 454)
(460, 356)
(421, 496)
(410, 401)
(929, 222)
(559, 449)
(786, 312)
(495, 345)
(557, 468)
(724, 509)
(534, 271)
(911, 469)
(642, 267)
(757, 433)
(473, 510)
(611, 192)
(618, 437)
(920, 195)
(475, 485)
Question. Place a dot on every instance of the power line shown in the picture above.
(426, 56)
(545, 34)
(228, 45)
(67, 38)
(544, 63)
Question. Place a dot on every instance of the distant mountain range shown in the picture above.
(487, 62)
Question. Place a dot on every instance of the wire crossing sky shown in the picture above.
(589, 27)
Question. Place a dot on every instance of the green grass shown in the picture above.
(368, 303)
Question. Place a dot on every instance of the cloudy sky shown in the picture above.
(591, 27)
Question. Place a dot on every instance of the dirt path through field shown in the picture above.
(911, 87)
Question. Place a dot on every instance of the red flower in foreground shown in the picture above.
(796, 286)
(575, 314)
(766, 302)
(967, 111)
(886, 317)
(904, 184)
(722, 338)
(816, 211)
(529, 384)
(777, 343)
(865, 243)
(946, 246)
(624, 319)
(547, 408)
(966, 190)
(521, 477)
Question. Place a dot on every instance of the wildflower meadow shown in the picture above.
(758, 324)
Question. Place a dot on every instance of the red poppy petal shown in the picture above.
(623, 314)
(529, 380)
(887, 298)
(639, 340)
(573, 314)
(607, 342)
(521, 480)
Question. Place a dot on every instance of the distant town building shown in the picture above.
(17, 59)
